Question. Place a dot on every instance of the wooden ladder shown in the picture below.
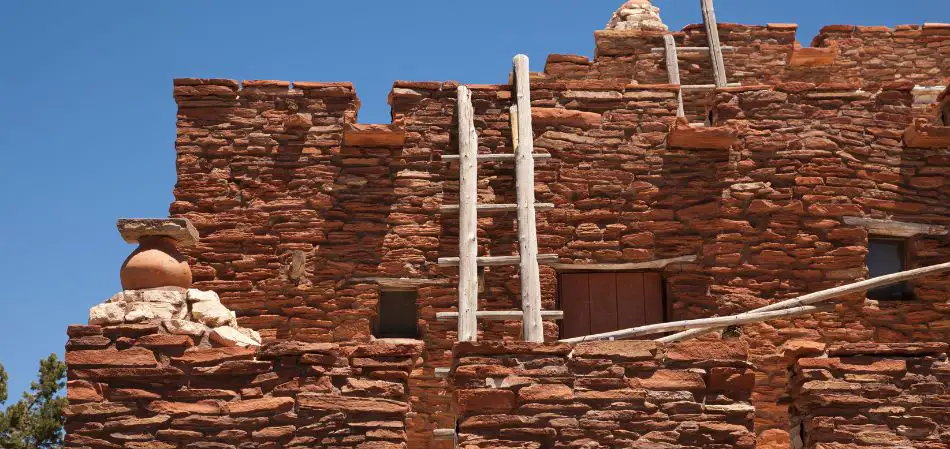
(715, 53)
(528, 258)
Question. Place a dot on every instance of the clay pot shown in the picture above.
(155, 263)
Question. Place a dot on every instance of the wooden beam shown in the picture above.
(502, 315)
(527, 224)
(824, 295)
(715, 49)
(673, 71)
(498, 261)
(892, 228)
(543, 157)
(692, 324)
(650, 265)
(442, 372)
(444, 435)
(725, 49)
(491, 208)
(701, 87)
(400, 283)
(468, 218)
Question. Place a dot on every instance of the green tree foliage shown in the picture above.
(36, 420)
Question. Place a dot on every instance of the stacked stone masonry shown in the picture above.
(306, 216)
(603, 395)
(140, 386)
(872, 395)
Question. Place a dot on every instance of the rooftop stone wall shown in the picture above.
(301, 210)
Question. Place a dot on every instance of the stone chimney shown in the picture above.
(637, 15)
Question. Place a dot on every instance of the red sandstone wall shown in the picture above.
(266, 176)
(134, 386)
(873, 395)
(603, 394)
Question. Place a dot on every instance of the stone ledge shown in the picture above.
(812, 56)
(374, 136)
(682, 135)
(922, 134)
(180, 229)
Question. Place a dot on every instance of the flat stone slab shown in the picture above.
(180, 229)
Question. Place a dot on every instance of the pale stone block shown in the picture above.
(106, 314)
(211, 313)
(180, 229)
(184, 327)
(229, 336)
(139, 312)
(195, 295)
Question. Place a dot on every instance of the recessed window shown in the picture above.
(594, 303)
(398, 315)
(888, 256)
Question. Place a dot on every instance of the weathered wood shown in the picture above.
(893, 228)
(650, 265)
(701, 87)
(527, 224)
(692, 324)
(540, 157)
(725, 49)
(824, 295)
(673, 71)
(400, 283)
(468, 218)
(513, 118)
(501, 315)
(444, 435)
(498, 261)
(493, 208)
(715, 49)
(442, 372)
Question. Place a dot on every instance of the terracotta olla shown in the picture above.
(155, 263)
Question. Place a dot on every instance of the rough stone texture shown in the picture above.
(637, 15)
(136, 392)
(872, 395)
(603, 394)
(295, 219)
(180, 229)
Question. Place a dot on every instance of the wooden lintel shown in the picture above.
(501, 315)
(497, 261)
(400, 283)
(893, 228)
(489, 208)
(725, 48)
(650, 265)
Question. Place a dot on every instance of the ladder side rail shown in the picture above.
(715, 49)
(673, 70)
(527, 225)
(468, 218)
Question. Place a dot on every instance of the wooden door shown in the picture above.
(604, 302)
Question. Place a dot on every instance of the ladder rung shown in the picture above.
(496, 261)
(502, 315)
(706, 86)
(443, 434)
(488, 208)
(496, 157)
(682, 49)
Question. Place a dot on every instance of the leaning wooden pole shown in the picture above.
(468, 219)
(824, 295)
(715, 49)
(673, 71)
(690, 324)
(527, 230)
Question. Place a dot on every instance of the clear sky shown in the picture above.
(87, 120)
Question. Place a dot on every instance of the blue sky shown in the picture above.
(87, 120)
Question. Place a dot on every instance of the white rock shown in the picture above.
(229, 336)
(183, 327)
(160, 295)
(139, 312)
(195, 295)
(211, 313)
(252, 334)
(106, 314)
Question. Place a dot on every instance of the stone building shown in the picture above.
(320, 238)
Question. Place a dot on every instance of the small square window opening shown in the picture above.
(397, 316)
(888, 256)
